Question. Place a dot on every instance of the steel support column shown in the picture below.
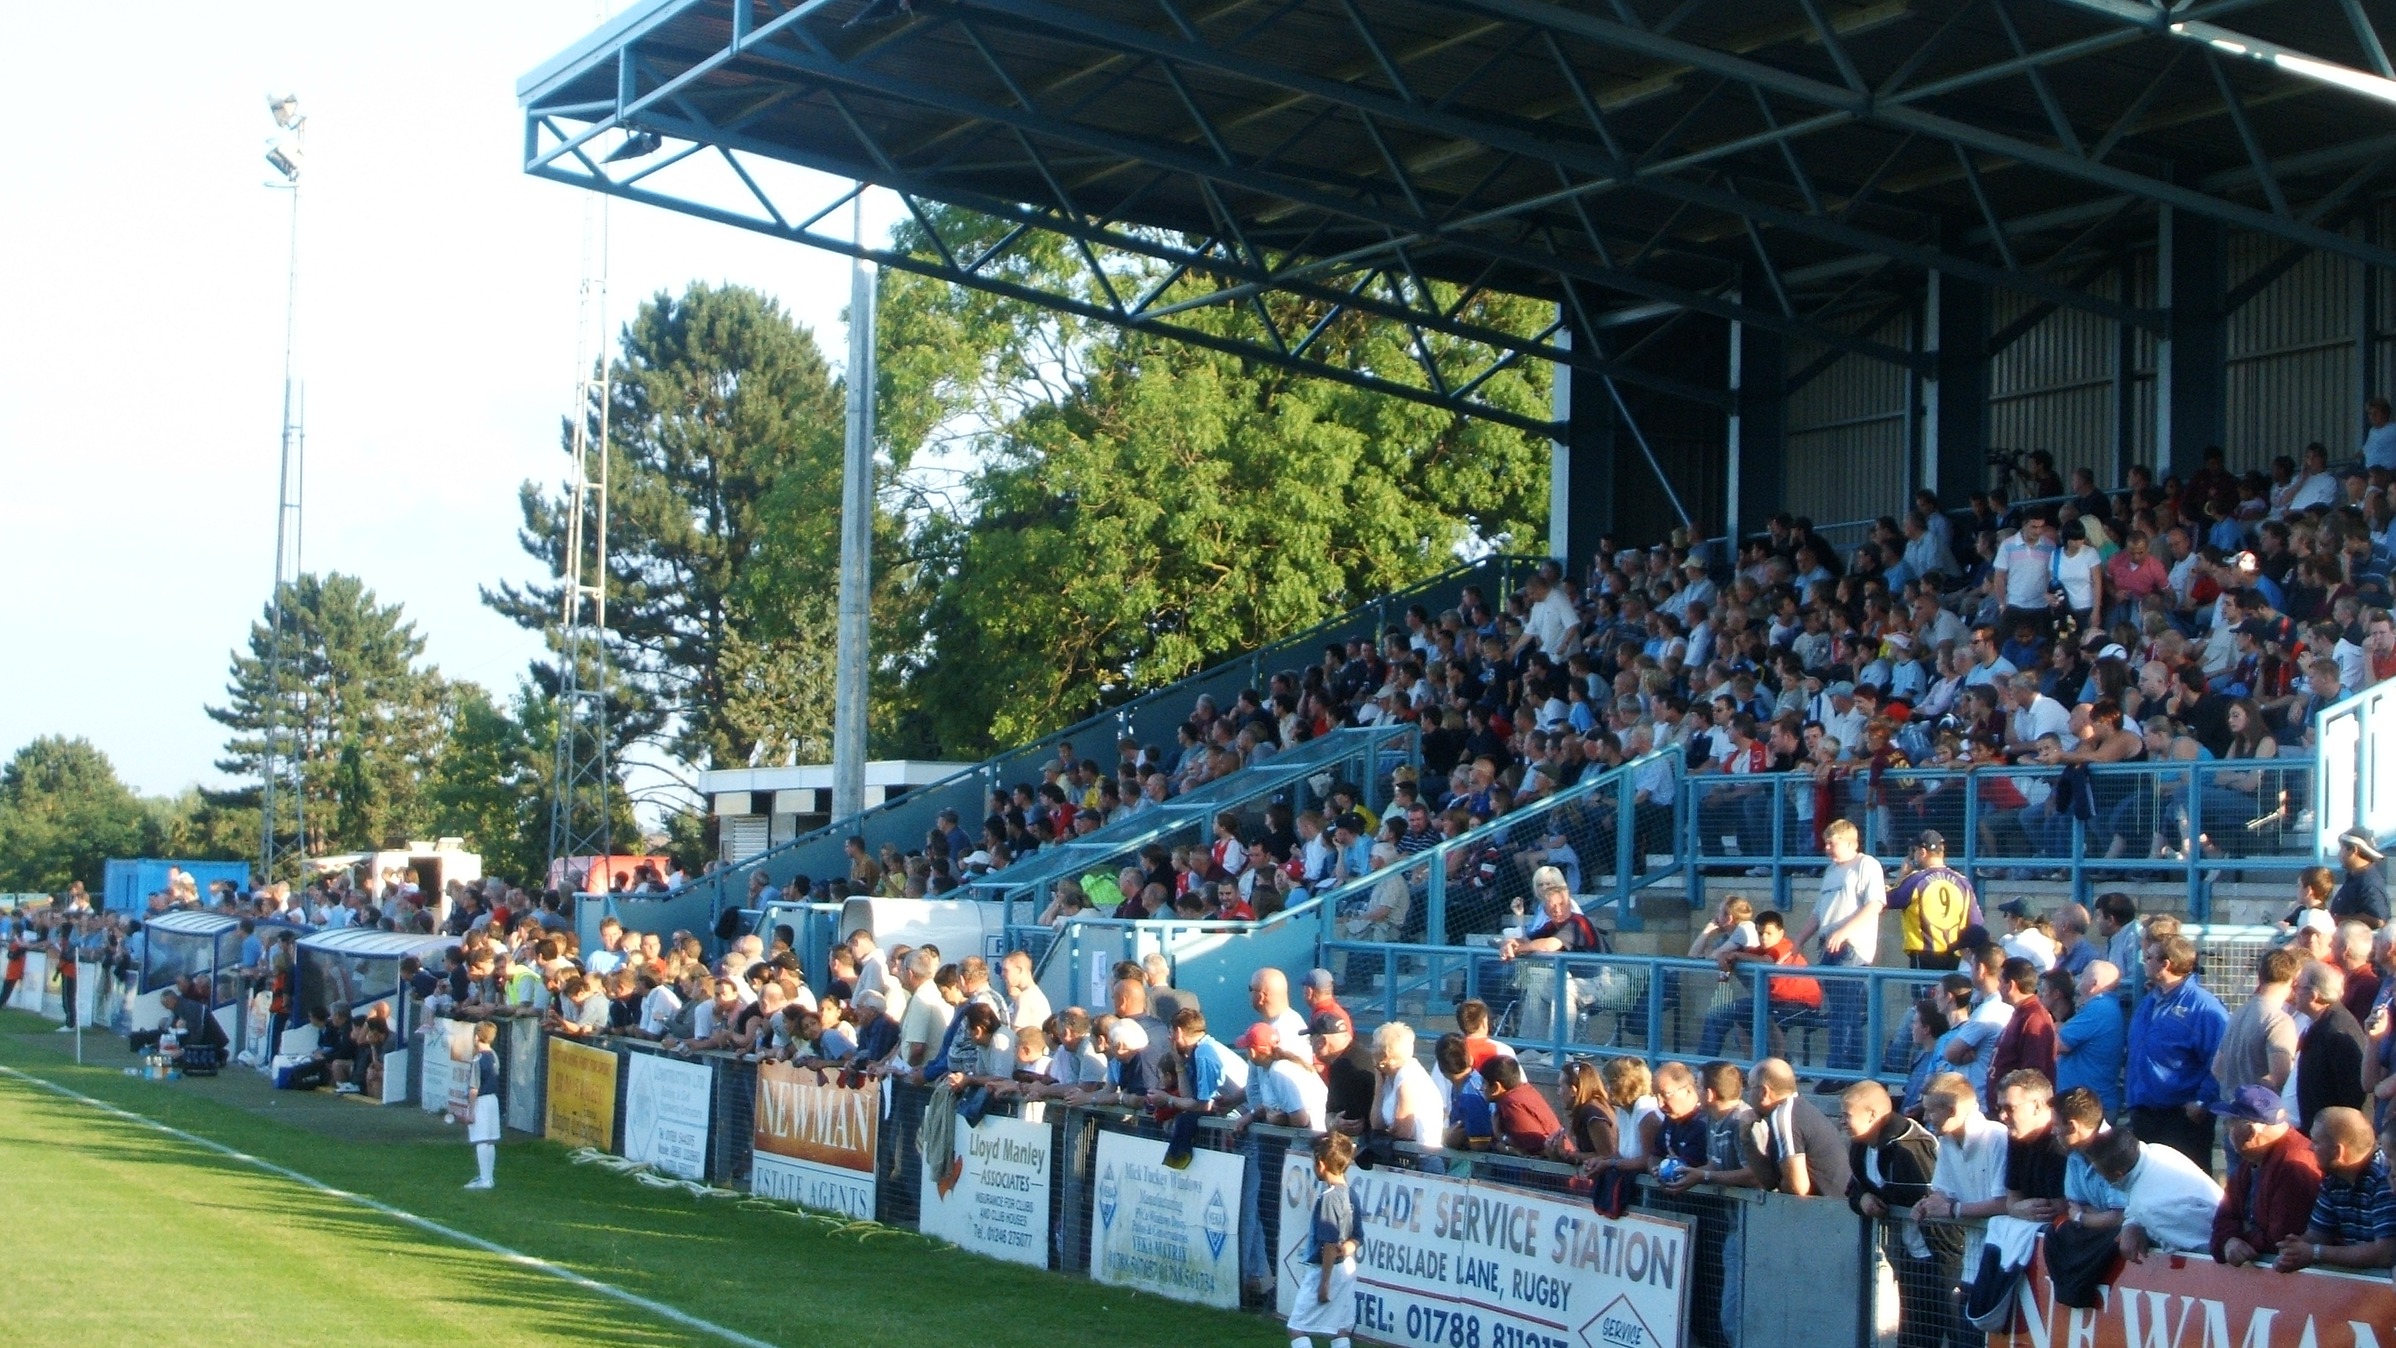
(1581, 465)
(2191, 367)
(1759, 422)
(1955, 399)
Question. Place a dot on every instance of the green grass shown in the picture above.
(141, 1237)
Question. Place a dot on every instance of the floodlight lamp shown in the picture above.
(285, 107)
(636, 145)
(284, 154)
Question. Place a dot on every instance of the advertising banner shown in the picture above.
(994, 1199)
(1172, 1232)
(815, 1140)
(581, 1107)
(2190, 1300)
(666, 1105)
(448, 1067)
(521, 1058)
(1467, 1264)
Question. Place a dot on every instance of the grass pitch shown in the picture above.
(126, 1235)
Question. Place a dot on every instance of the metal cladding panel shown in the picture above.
(1846, 432)
(2067, 349)
(2278, 404)
(2075, 423)
(1855, 471)
(2291, 377)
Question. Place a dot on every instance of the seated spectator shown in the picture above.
(1787, 995)
(2353, 1223)
(2171, 1202)
(2274, 1178)
(1521, 1116)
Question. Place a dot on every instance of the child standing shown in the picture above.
(1327, 1299)
(482, 1106)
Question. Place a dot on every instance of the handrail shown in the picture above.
(1498, 570)
(2130, 795)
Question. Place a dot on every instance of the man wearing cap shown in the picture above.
(2274, 1178)
(1560, 928)
(1841, 719)
(1349, 1075)
(1283, 1092)
(2309, 937)
(2362, 896)
(1320, 993)
(1935, 903)
(2023, 938)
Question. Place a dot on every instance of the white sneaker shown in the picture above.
(480, 1184)
(65, 1029)
(348, 1088)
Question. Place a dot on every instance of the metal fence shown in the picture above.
(2188, 824)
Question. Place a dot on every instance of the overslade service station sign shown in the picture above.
(1452, 1263)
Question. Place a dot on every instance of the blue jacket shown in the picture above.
(2172, 1039)
(2089, 1049)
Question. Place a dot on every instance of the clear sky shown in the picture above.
(141, 366)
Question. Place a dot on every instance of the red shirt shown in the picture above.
(2267, 1202)
(2028, 1041)
(1524, 1119)
(1798, 991)
(1479, 1049)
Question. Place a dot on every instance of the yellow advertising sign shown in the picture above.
(582, 1095)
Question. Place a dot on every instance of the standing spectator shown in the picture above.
(2354, 1217)
(1802, 1145)
(2259, 1045)
(2362, 894)
(2173, 1036)
(1320, 992)
(1890, 1159)
(2089, 1047)
(1333, 1236)
(2024, 566)
(2274, 1178)
(2034, 1164)
(1846, 918)
(1028, 1004)
(2331, 1054)
(1937, 902)
(2028, 1040)
(1406, 1104)
(1972, 1044)
(2117, 923)
(482, 1107)
(1969, 1179)
(1348, 1076)
(2074, 952)
(2171, 1199)
(1213, 1079)
(1280, 1089)
(1520, 1116)
(1269, 993)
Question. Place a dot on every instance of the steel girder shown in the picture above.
(1395, 225)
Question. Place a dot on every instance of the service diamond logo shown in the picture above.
(1218, 1224)
(1619, 1325)
(1108, 1192)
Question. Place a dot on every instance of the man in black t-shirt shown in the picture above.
(1347, 1068)
(2034, 1163)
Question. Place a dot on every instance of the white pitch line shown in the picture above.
(425, 1224)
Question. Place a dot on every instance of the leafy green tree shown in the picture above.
(1144, 505)
(63, 813)
(725, 473)
(357, 713)
(487, 785)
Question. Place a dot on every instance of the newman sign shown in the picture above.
(2183, 1301)
(815, 1140)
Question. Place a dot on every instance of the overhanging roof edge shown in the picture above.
(640, 18)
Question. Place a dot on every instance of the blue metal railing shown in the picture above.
(1151, 718)
(2190, 821)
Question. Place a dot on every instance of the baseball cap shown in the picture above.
(1931, 839)
(1841, 689)
(2258, 1104)
(1318, 980)
(2015, 908)
(1329, 1022)
(1351, 822)
(1260, 1035)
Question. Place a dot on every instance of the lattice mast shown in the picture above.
(282, 772)
(578, 808)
